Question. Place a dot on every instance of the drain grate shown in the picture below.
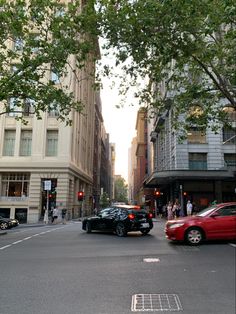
(155, 302)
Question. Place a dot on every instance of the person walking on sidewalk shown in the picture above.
(189, 208)
(54, 215)
(63, 216)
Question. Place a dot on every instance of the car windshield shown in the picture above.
(206, 211)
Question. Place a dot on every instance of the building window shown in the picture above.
(25, 143)
(196, 135)
(13, 107)
(230, 160)
(229, 135)
(53, 110)
(52, 141)
(15, 185)
(9, 142)
(197, 161)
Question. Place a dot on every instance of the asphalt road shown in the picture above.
(62, 270)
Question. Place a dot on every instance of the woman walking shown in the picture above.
(170, 211)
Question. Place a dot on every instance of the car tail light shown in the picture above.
(131, 216)
(150, 215)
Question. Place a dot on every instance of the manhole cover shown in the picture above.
(155, 302)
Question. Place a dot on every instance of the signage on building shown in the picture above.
(48, 185)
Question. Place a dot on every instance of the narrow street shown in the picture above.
(59, 269)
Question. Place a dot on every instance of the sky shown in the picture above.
(120, 124)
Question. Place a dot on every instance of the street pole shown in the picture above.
(47, 208)
(181, 198)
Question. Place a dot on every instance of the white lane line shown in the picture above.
(4, 247)
(28, 238)
(232, 244)
(17, 242)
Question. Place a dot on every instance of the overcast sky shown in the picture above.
(120, 124)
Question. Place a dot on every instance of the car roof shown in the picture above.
(127, 206)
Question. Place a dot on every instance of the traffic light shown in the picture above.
(157, 193)
(185, 193)
(80, 195)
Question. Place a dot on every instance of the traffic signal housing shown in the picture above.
(80, 195)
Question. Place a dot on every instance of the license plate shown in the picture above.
(145, 225)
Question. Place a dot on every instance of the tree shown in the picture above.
(121, 189)
(104, 200)
(38, 38)
(190, 45)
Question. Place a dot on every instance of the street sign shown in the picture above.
(48, 185)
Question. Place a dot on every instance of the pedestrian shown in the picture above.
(189, 208)
(170, 210)
(176, 209)
(63, 216)
(54, 215)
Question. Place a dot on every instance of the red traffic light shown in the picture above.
(185, 193)
(80, 195)
(157, 193)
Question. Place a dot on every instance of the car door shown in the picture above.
(222, 224)
(109, 219)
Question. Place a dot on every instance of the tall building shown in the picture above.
(202, 168)
(46, 163)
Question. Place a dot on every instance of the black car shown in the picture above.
(121, 220)
(7, 223)
(4, 224)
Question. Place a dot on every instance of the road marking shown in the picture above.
(232, 244)
(28, 238)
(151, 260)
(4, 247)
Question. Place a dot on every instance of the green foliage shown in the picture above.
(104, 200)
(37, 37)
(188, 45)
(121, 190)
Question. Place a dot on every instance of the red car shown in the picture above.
(215, 222)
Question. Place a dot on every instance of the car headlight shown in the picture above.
(176, 225)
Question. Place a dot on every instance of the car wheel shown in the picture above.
(121, 230)
(145, 231)
(88, 227)
(3, 225)
(194, 236)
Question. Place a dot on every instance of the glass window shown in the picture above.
(9, 143)
(28, 107)
(54, 110)
(13, 107)
(25, 143)
(230, 160)
(15, 185)
(197, 161)
(52, 142)
(196, 135)
(227, 211)
(229, 135)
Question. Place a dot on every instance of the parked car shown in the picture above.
(4, 224)
(120, 219)
(8, 223)
(214, 222)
